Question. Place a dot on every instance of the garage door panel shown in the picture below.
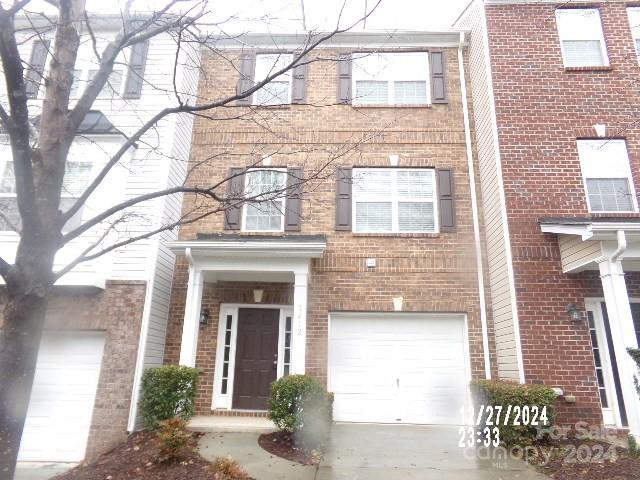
(409, 369)
(62, 398)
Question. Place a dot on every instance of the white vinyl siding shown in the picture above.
(264, 191)
(607, 175)
(389, 200)
(581, 37)
(391, 78)
(634, 23)
(278, 91)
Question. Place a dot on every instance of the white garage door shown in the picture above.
(398, 368)
(64, 390)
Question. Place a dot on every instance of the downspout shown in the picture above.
(474, 209)
(622, 246)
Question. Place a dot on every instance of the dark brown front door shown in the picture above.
(256, 357)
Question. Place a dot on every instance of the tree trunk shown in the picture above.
(20, 335)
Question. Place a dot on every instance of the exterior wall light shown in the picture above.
(204, 316)
(257, 295)
(574, 314)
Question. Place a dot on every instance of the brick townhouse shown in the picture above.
(367, 275)
(556, 101)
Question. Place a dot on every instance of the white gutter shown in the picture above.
(474, 210)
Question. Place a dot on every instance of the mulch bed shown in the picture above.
(588, 460)
(281, 445)
(137, 459)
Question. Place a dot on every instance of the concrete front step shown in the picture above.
(219, 423)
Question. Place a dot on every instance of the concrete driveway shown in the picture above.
(389, 452)
(373, 452)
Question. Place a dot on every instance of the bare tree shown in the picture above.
(40, 152)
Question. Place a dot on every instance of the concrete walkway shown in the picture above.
(40, 470)
(372, 452)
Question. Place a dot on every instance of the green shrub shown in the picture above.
(175, 440)
(500, 393)
(301, 405)
(166, 392)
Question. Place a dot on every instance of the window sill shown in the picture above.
(604, 68)
(284, 106)
(400, 235)
(386, 105)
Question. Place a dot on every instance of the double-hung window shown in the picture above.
(399, 78)
(394, 200)
(76, 178)
(265, 194)
(581, 37)
(634, 22)
(607, 175)
(278, 91)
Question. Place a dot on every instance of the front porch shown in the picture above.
(245, 315)
(610, 246)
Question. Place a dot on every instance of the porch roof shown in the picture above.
(243, 246)
(601, 228)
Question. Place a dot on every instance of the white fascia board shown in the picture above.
(244, 248)
(563, 229)
(369, 39)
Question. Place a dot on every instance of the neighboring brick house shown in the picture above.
(556, 101)
(106, 317)
(367, 276)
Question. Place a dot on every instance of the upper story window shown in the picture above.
(265, 194)
(607, 175)
(400, 78)
(394, 200)
(278, 91)
(581, 37)
(126, 79)
(634, 22)
(77, 175)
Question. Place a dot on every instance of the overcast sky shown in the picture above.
(286, 15)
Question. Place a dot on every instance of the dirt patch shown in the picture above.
(586, 460)
(137, 459)
(281, 444)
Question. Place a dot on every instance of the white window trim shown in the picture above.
(391, 84)
(289, 77)
(634, 27)
(629, 178)
(395, 199)
(600, 37)
(282, 199)
(222, 401)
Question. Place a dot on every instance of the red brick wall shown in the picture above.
(541, 111)
(117, 310)
(433, 272)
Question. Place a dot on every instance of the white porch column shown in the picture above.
(623, 336)
(299, 340)
(191, 325)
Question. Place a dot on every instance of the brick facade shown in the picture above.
(117, 311)
(433, 272)
(542, 109)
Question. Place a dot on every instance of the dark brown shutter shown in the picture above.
(247, 70)
(38, 58)
(438, 78)
(299, 82)
(235, 186)
(344, 78)
(343, 198)
(135, 75)
(446, 200)
(293, 207)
